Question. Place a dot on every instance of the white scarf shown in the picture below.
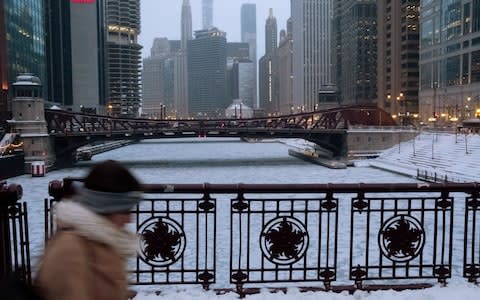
(96, 228)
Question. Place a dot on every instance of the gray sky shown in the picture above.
(161, 18)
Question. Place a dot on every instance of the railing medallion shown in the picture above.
(284, 240)
(401, 238)
(163, 241)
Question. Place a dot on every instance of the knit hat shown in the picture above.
(109, 188)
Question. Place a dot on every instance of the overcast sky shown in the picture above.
(161, 18)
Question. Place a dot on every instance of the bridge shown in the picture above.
(326, 128)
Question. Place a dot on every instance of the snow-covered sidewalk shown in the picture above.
(456, 157)
(461, 291)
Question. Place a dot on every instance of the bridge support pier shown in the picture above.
(28, 120)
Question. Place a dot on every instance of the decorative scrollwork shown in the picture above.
(401, 238)
(284, 240)
(163, 241)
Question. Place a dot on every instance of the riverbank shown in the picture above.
(433, 157)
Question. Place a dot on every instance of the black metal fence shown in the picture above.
(346, 236)
(14, 240)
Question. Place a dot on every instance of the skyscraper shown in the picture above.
(268, 101)
(249, 35)
(398, 58)
(157, 80)
(186, 23)
(312, 43)
(207, 58)
(25, 32)
(449, 60)
(271, 33)
(4, 110)
(356, 47)
(207, 14)
(181, 70)
(284, 66)
(124, 56)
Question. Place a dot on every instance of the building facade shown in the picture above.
(207, 78)
(4, 104)
(398, 58)
(284, 66)
(266, 74)
(449, 60)
(356, 47)
(158, 75)
(312, 49)
(25, 39)
(123, 57)
(59, 52)
(249, 35)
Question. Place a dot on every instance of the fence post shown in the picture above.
(8, 197)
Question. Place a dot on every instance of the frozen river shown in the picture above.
(198, 161)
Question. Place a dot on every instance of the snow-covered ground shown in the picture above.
(456, 156)
(461, 291)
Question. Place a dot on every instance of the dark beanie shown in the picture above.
(109, 188)
(110, 176)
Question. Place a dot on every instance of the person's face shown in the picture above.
(120, 219)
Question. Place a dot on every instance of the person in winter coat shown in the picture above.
(86, 258)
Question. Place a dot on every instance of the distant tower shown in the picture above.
(207, 13)
(181, 72)
(249, 35)
(312, 44)
(186, 23)
(267, 89)
(271, 41)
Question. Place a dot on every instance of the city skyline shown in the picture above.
(163, 19)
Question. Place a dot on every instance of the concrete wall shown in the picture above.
(367, 140)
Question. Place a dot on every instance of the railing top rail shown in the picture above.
(58, 189)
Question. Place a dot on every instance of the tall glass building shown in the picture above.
(449, 60)
(24, 24)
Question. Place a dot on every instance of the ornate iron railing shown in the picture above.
(14, 240)
(346, 236)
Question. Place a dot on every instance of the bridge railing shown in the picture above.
(343, 236)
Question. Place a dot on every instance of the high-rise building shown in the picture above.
(158, 81)
(312, 49)
(207, 57)
(76, 54)
(207, 14)
(249, 35)
(267, 88)
(59, 52)
(356, 47)
(283, 63)
(398, 58)
(186, 24)
(449, 60)
(271, 33)
(240, 73)
(4, 109)
(25, 36)
(181, 70)
(124, 56)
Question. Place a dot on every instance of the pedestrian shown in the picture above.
(86, 258)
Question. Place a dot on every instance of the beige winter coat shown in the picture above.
(82, 262)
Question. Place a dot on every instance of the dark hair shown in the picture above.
(110, 176)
